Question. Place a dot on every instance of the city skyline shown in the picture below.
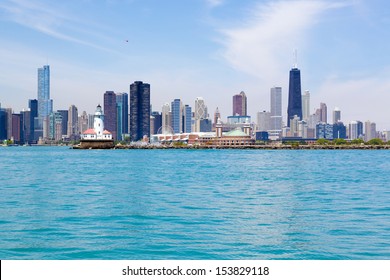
(90, 53)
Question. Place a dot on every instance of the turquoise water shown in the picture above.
(58, 203)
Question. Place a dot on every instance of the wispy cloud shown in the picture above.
(54, 22)
(263, 44)
(214, 3)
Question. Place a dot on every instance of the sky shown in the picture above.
(200, 48)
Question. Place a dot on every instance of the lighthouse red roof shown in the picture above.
(89, 131)
(106, 132)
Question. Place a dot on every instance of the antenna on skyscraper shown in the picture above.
(295, 57)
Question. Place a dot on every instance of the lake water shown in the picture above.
(59, 203)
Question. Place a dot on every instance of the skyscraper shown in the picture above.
(263, 121)
(45, 104)
(294, 95)
(275, 128)
(33, 105)
(73, 129)
(217, 115)
(200, 109)
(200, 113)
(324, 113)
(110, 113)
(64, 117)
(187, 118)
(339, 130)
(336, 115)
(306, 105)
(122, 103)
(370, 130)
(139, 110)
(177, 112)
(240, 104)
(166, 119)
(157, 121)
(16, 129)
(3, 124)
(355, 130)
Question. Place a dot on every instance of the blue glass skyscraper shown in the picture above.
(122, 105)
(177, 114)
(294, 95)
(187, 114)
(45, 104)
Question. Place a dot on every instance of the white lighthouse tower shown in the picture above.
(98, 122)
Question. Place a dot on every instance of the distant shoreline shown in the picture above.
(212, 147)
(250, 147)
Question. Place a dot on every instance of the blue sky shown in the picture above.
(208, 48)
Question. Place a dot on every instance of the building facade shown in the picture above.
(240, 104)
(73, 122)
(45, 104)
(294, 95)
(339, 130)
(177, 116)
(370, 131)
(157, 122)
(263, 121)
(200, 113)
(139, 111)
(306, 105)
(33, 106)
(122, 103)
(187, 119)
(324, 131)
(275, 129)
(166, 116)
(336, 115)
(110, 113)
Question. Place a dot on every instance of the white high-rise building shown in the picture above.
(275, 126)
(263, 121)
(200, 113)
(370, 130)
(353, 130)
(306, 105)
(200, 109)
(336, 115)
(166, 118)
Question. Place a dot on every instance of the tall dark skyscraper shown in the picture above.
(294, 95)
(3, 124)
(110, 113)
(33, 105)
(139, 110)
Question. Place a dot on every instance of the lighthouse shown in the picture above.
(98, 122)
(97, 137)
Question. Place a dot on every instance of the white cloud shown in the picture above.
(214, 3)
(263, 45)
